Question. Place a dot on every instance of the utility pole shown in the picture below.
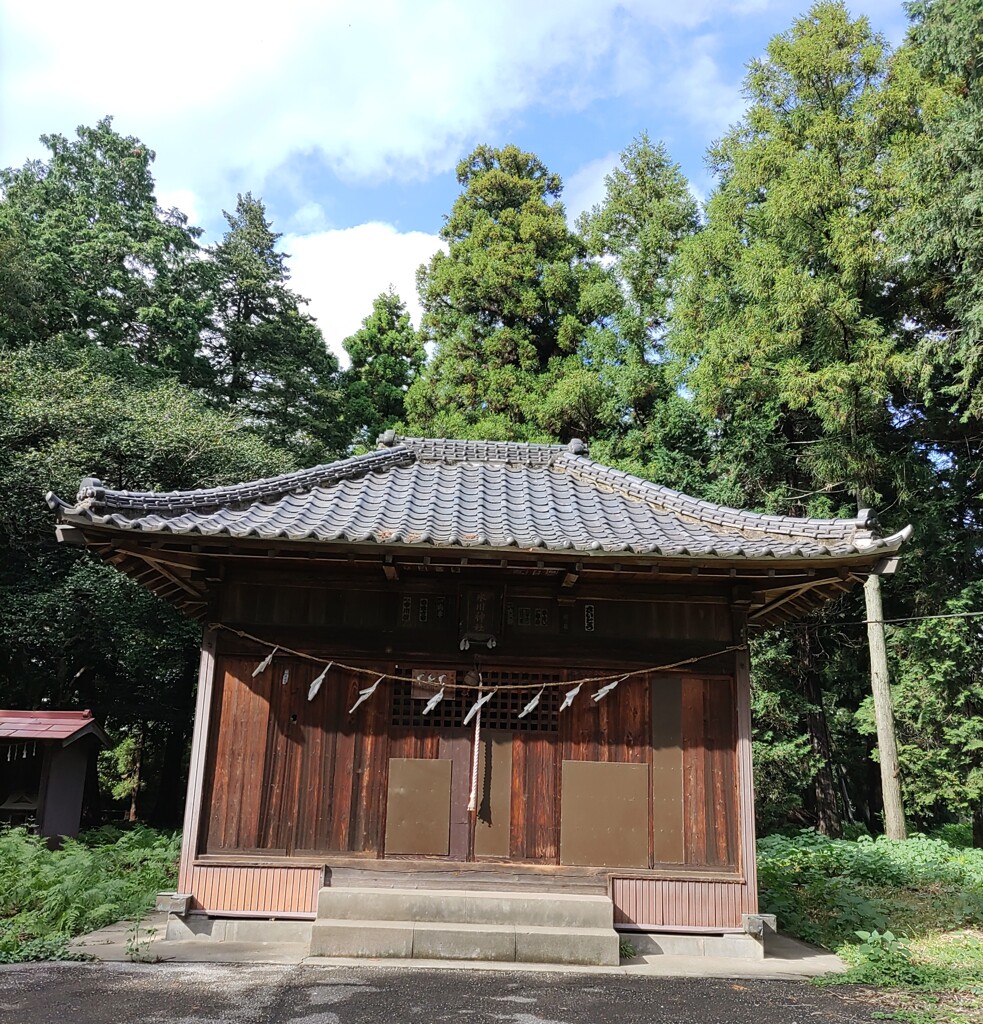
(880, 685)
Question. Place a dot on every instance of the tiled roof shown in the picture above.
(47, 725)
(482, 494)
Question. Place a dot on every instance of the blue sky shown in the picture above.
(349, 118)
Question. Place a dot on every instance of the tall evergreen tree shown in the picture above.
(386, 355)
(633, 238)
(270, 362)
(647, 212)
(939, 73)
(502, 305)
(792, 313)
(102, 262)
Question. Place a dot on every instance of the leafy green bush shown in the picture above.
(882, 959)
(960, 834)
(46, 897)
(825, 890)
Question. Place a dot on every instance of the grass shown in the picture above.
(905, 916)
(107, 875)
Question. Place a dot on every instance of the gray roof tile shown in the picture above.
(491, 494)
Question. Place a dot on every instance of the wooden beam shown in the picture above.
(165, 557)
(789, 598)
(173, 576)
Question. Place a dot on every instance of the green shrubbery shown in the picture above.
(900, 914)
(106, 875)
(825, 890)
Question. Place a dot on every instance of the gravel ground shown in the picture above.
(77, 993)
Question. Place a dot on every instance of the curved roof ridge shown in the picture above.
(490, 494)
(92, 494)
(707, 511)
(446, 449)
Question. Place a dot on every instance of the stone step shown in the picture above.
(736, 945)
(362, 938)
(592, 946)
(413, 874)
(448, 940)
(539, 909)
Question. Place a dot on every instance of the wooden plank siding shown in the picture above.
(290, 776)
(285, 779)
(245, 890)
(293, 777)
(663, 904)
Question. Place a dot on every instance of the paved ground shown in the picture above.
(72, 993)
(785, 958)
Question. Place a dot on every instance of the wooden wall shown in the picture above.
(427, 616)
(288, 777)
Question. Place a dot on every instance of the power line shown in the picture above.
(922, 618)
(883, 622)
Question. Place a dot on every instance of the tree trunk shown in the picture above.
(824, 785)
(978, 827)
(880, 685)
(137, 765)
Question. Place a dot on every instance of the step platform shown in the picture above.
(455, 924)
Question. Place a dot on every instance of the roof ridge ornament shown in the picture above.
(92, 489)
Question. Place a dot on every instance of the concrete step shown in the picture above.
(592, 946)
(235, 929)
(477, 876)
(455, 941)
(362, 938)
(443, 940)
(736, 945)
(538, 909)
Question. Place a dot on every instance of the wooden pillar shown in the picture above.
(196, 768)
(742, 685)
(880, 685)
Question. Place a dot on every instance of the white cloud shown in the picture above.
(585, 188)
(343, 271)
(374, 89)
(184, 199)
(699, 90)
(308, 218)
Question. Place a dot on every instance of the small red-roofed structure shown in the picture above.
(44, 757)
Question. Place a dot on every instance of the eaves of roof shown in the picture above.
(498, 496)
(64, 727)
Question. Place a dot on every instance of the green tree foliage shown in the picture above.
(640, 420)
(811, 336)
(791, 324)
(91, 256)
(647, 212)
(73, 631)
(268, 356)
(940, 712)
(791, 310)
(939, 73)
(502, 305)
(386, 356)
